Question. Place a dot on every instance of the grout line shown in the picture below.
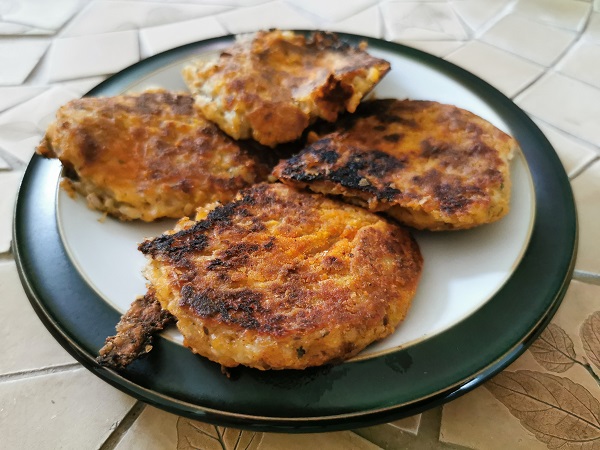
(586, 277)
(123, 426)
(583, 168)
(39, 372)
(6, 256)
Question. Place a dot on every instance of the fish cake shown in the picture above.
(147, 155)
(283, 279)
(429, 165)
(270, 86)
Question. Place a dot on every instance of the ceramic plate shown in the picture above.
(484, 296)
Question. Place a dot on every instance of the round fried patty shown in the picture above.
(429, 165)
(283, 279)
(148, 155)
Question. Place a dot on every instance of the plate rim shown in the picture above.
(28, 256)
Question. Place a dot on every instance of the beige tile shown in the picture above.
(480, 420)
(535, 41)
(586, 188)
(503, 70)
(410, 424)
(64, 410)
(156, 430)
(342, 440)
(477, 420)
(27, 343)
(476, 13)
(582, 62)
(566, 103)
(9, 184)
(573, 153)
(580, 302)
(570, 15)
(421, 21)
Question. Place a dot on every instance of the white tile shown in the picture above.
(9, 184)
(3, 164)
(11, 29)
(22, 126)
(566, 103)
(573, 153)
(43, 14)
(421, 21)
(11, 96)
(366, 23)
(586, 187)
(569, 14)
(35, 114)
(23, 149)
(98, 54)
(82, 86)
(265, 16)
(592, 31)
(18, 57)
(437, 48)
(476, 13)
(332, 10)
(535, 41)
(28, 346)
(582, 62)
(503, 70)
(64, 410)
(105, 17)
(158, 39)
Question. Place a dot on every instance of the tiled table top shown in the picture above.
(544, 54)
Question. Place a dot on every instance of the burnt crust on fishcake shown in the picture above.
(273, 85)
(148, 155)
(283, 279)
(135, 332)
(429, 165)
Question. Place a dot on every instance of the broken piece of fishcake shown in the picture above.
(147, 155)
(283, 279)
(135, 332)
(271, 85)
(429, 165)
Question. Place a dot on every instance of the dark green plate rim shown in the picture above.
(345, 396)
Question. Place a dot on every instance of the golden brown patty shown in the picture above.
(147, 155)
(283, 279)
(429, 165)
(273, 85)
